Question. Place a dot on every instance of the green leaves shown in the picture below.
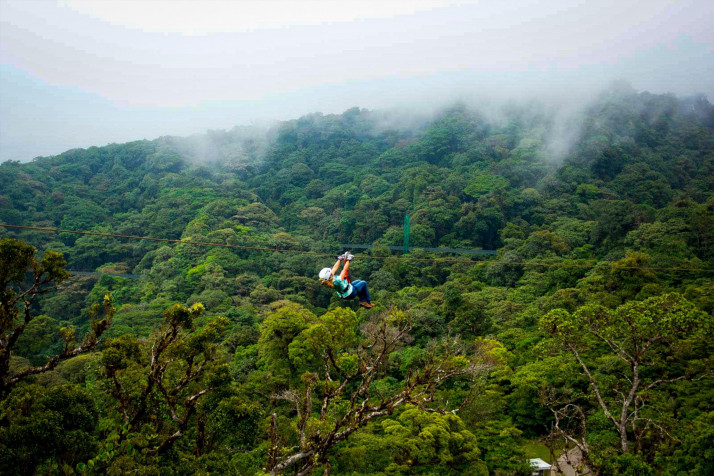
(181, 316)
(559, 323)
(627, 355)
(53, 264)
(634, 326)
(118, 352)
(485, 184)
(424, 439)
(669, 315)
(40, 424)
(16, 258)
(277, 332)
(331, 335)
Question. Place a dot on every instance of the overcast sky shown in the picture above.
(80, 73)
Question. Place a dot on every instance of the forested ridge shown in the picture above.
(588, 336)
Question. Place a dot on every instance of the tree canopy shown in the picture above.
(583, 341)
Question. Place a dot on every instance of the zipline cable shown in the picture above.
(331, 255)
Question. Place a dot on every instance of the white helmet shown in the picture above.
(325, 273)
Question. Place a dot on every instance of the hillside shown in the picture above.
(589, 328)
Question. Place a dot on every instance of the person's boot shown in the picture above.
(366, 304)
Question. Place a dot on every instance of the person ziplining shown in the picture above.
(343, 286)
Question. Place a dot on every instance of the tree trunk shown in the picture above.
(200, 435)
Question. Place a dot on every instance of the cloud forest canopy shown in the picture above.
(585, 339)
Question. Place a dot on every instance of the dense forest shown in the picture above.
(585, 341)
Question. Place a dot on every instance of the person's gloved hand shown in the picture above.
(341, 257)
(348, 256)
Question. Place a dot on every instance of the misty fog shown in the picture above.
(76, 74)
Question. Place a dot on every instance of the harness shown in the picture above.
(347, 290)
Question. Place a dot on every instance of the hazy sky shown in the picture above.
(80, 73)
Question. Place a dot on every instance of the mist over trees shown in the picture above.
(587, 338)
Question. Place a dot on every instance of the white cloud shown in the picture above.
(242, 60)
(220, 16)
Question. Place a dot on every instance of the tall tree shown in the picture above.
(344, 373)
(17, 293)
(162, 393)
(626, 355)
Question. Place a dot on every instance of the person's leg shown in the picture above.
(362, 291)
(362, 295)
(358, 285)
(366, 292)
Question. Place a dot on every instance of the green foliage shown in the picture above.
(277, 332)
(694, 455)
(635, 325)
(485, 184)
(40, 340)
(607, 253)
(44, 426)
(427, 441)
(630, 356)
(334, 330)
